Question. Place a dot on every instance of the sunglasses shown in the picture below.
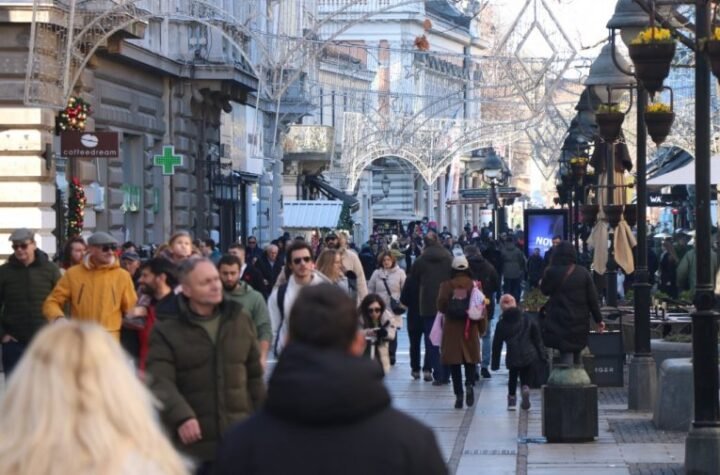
(374, 309)
(304, 259)
(22, 246)
(109, 247)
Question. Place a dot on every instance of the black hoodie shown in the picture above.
(328, 412)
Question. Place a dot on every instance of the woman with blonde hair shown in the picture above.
(74, 405)
(329, 263)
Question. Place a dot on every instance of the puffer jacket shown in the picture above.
(351, 262)
(100, 294)
(395, 278)
(218, 384)
(23, 290)
(431, 269)
(513, 261)
(522, 336)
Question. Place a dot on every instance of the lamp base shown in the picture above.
(642, 383)
(702, 451)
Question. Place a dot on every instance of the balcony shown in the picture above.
(309, 143)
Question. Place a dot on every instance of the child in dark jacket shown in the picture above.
(524, 343)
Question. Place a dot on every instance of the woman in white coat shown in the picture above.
(387, 281)
(377, 322)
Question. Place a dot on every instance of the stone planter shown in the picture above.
(652, 63)
(663, 350)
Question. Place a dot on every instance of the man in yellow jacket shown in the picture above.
(98, 289)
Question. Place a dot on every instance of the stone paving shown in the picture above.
(489, 439)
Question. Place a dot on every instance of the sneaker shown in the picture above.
(469, 396)
(512, 402)
(485, 373)
(415, 375)
(458, 402)
(525, 394)
(427, 376)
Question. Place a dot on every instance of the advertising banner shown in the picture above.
(540, 227)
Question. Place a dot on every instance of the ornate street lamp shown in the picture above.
(703, 439)
(492, 169)
(611, 85)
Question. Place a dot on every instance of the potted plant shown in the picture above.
(579, 165)
(589, 214)
(613, 213)
(533, 301)
(651, 52)
(609, 119)
(713, 51)
(659, 118)
(630, 214)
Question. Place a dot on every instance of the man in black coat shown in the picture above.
(328, 411)
(431, 269)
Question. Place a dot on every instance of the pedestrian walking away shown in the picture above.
(328, 411)
(461, 307)
(522, 337)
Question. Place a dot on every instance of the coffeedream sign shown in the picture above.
(89, 144)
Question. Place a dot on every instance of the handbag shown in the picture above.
(395, 305)
(437, 330)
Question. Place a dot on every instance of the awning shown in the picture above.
(311, 214)
(331, 192)
(686, 175)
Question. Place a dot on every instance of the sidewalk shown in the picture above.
(490, 440)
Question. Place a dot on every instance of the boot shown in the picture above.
(459, 402)
(525, 398)
(469, 396)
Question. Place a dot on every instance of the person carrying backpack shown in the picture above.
(524, 343)
(464, 322)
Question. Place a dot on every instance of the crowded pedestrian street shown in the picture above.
(388, 237)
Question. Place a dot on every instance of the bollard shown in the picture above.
(570, 406)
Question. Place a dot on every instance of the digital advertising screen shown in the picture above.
(540, 227)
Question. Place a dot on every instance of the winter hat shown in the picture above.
(460, 263)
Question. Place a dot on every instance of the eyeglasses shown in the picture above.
(109, 247)
(304, 259)
(374, 310)
(22, 246)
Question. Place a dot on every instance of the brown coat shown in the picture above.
(455, 349)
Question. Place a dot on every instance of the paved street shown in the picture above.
(487, 439)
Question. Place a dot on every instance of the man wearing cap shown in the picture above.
(130, 261)
(98, 290)
(25, 280)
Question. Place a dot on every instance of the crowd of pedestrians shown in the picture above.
(202, 326)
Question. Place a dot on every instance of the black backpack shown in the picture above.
(457, 308)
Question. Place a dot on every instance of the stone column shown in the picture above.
(429, 205)
(442, 210)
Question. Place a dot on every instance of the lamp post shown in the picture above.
(492, 167)
(610, 85)
(703, 441)
(385, 183)
(630, 19)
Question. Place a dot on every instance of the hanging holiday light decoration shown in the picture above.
(76, 208)
(74, 116)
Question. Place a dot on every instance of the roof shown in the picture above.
(311, 214)
(447, 11)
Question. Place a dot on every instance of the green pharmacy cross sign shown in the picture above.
(168, 160)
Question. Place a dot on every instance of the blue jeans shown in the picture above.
(432, 353)
(12, 351)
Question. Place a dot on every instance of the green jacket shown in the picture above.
(686, 273)
(218, 384)
(22, 293)
(253, 303)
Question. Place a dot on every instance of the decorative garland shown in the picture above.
(76, 207)
(74, 116)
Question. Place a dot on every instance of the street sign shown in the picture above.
(475, 193)
(89, 144)
(168, 160)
